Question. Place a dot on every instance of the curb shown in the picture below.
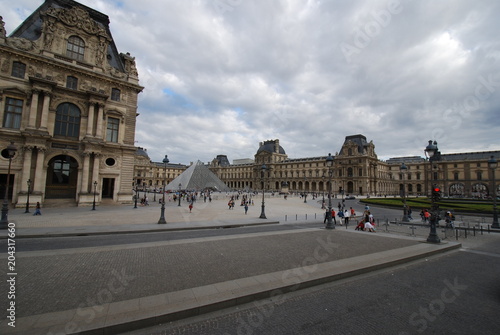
(19, 231)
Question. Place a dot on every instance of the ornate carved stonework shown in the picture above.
(21, 43)
(76, 17)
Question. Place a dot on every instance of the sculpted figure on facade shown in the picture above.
(3, 33)
(49, 29)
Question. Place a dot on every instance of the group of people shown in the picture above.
(343, 215)
(367, 223)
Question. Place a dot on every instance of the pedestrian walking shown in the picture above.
(246, 208)
(346, 217)
(190, 207)
(37, 209)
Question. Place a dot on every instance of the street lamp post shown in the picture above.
(180, 187)
(263, 172)
(403, 170)
(433, 154)
(323, 202)
(162, 213)
(93, 203)
(492, 163)
(329, 164)
(135, 197)
(4, 223)
(28, 197)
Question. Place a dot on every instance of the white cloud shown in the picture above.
(219, 80)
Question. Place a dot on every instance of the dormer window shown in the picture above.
(75, 48)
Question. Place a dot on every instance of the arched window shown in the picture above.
(75, 48)
(67, 120)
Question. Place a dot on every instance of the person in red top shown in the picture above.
(333, 217)
(426, 215)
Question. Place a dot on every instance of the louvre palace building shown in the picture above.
(356, 171)
(69, 103)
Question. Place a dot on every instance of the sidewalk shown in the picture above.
(109, 289)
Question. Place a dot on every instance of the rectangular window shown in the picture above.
(72, 82)
(115, 94)
(13, 113)
(112, 130)
(18, 69)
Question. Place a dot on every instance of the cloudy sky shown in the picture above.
(220, 76)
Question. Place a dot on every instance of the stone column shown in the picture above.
(85, 172)
(26, 168)
(33, 109)
(100, 116)
(90, 119)
(45, 110)
(39, 171)
(95, 170)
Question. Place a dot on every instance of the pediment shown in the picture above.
(12, 90)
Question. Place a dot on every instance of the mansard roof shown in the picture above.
(31, 28)
(272, 146)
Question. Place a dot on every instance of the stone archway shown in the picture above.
(62, 177)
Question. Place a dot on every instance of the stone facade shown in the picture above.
(358, 171)
(68, 101)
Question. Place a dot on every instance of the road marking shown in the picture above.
(481, 252)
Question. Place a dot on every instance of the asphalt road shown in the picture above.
(455, 293)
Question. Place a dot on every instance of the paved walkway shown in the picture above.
(109, 289)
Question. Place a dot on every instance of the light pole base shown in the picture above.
(330, 225)
(433, 239)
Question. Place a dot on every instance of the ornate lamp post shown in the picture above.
(263, 173)
(432, 152)
(135, 197)
(180, 187)
(323, 202)
(93, 203)
(4, 223)
(492, 164)
(329, 164)
(162, 213)
(403, 170)
(28, 198)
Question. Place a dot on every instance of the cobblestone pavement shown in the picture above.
(57, 280)
(88, 279)
(455, 293)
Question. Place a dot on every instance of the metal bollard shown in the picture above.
(285, 217)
